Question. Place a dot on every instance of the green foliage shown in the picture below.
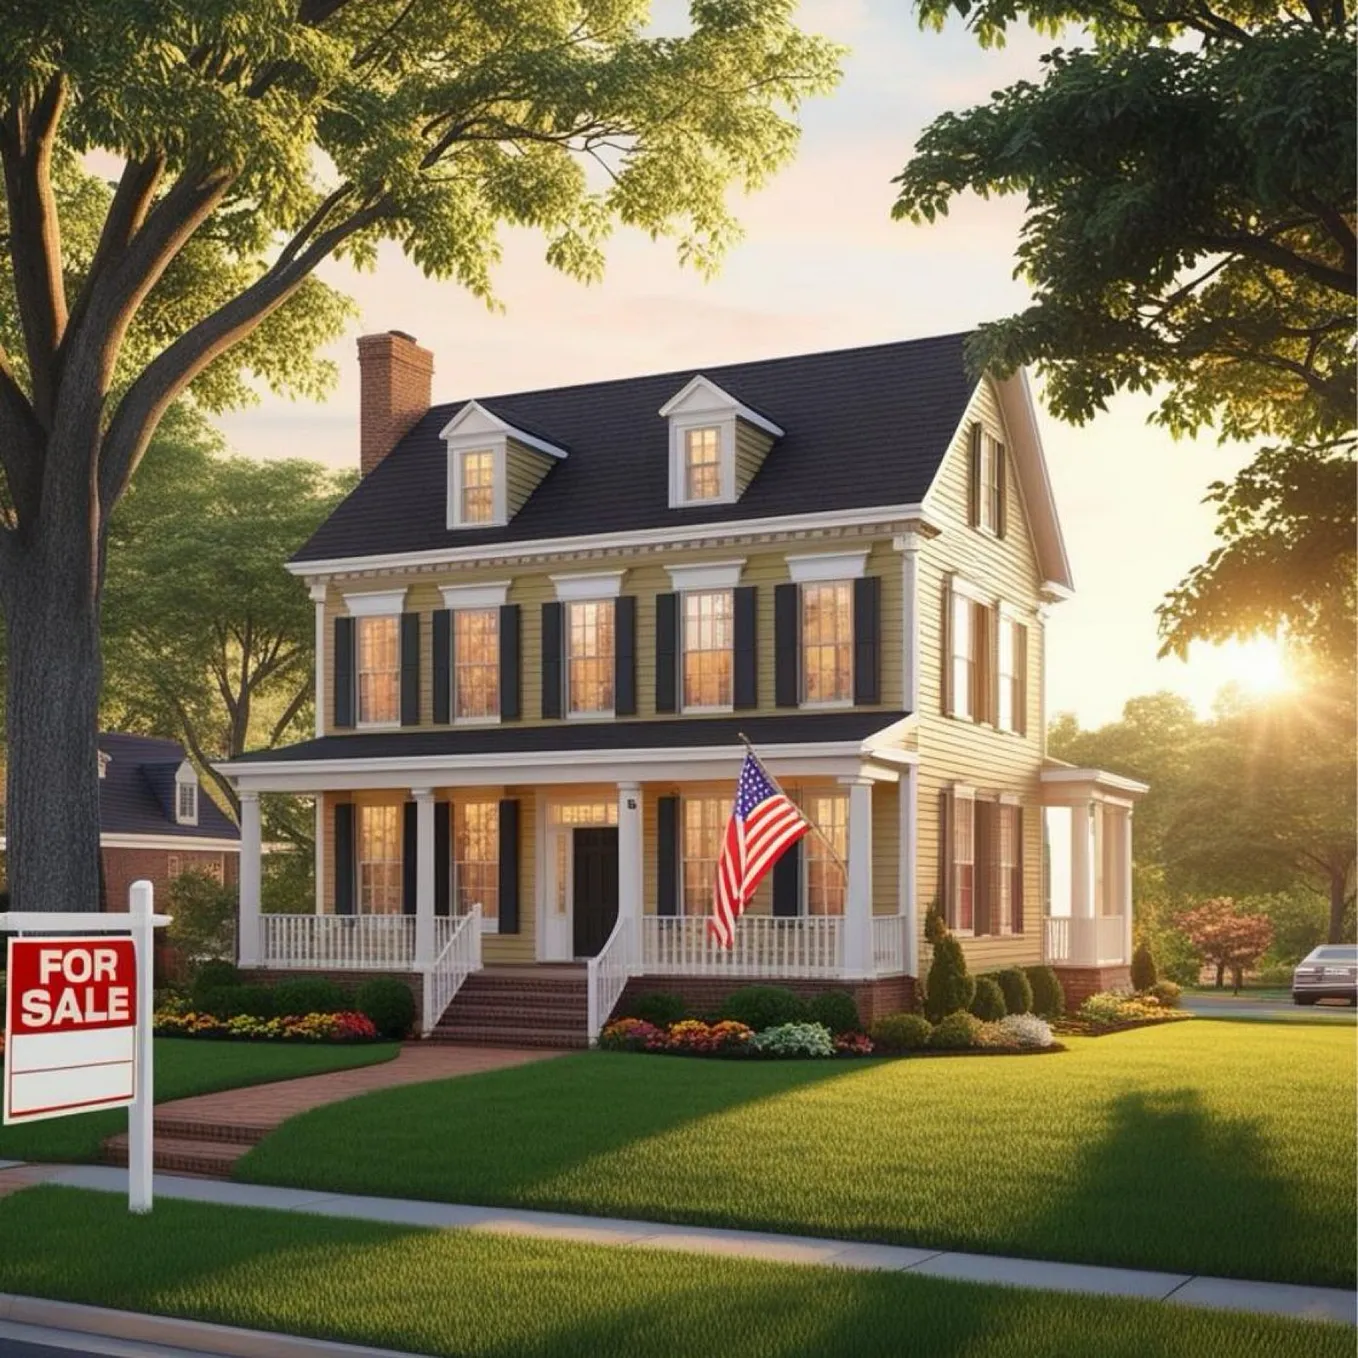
(987, 1003)
(948, 987)
(658, 1007)
(837, 1011)
(764, 1006)
(211, 974)
(389, 1003)
(1167, 993)
(1018, 992)
(1049, 1000)
(935, 923)
(203, 911)
(310, 995)
(794, 1040)
(900, 1033)
(288, 885)
(1144, 973)
(232, 1001)
(956, 1032)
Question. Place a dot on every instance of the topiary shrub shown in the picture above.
(660, 1008)
(957, 1032)
(764, 1006)
(234, 1001)
(900, 1033)
(988, 1001)
(1018, 994)
(935, 923)
(1167, 993)
(837, 1011)
(389, 1003)
(213, 975)
(1049, 1000)
(1144, 973)
(948, 987)
(309, 995)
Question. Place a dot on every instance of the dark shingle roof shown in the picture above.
(863, 427)
(136, 793)
(586, 737)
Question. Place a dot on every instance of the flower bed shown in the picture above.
(342, 1027)
(1113, 1011)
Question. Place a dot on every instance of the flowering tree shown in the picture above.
(1226, 937)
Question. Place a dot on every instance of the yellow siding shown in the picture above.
(752, 447)
(524, 469)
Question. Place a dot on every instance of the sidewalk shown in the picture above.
(1227, 1294)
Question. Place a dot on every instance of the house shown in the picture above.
(546, 622)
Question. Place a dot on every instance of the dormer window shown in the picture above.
(717, 444)
(493, 467)
(186, 795)
(478, 486)
(702, 464)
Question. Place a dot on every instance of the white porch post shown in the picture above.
(1125, 867)
(322, 654)
(858, 903)
(1082, 925)
(630, 882)
(251, 848)
(909, 903)
(908, 545)
(320, 853)
(424, 875)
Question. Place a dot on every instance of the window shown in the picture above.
(476, 859)
(173, 867)
(476, 663)
(379, 668)
(963, 904)
(186, 802)
(704, 826)
(825, 882)
(1007, 855)
(1012, 696)
(589, 655)
(827, 642)
(478, 486)
(379, 860)
(702, 464)
(708, 639)
(991, 488)
(963, 655)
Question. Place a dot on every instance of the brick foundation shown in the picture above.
(1079, 983)
(875, 998)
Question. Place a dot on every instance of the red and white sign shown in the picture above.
(70, 1026)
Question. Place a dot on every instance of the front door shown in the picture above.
(594, 887)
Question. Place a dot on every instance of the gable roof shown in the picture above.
(864, 427)
(136, 793)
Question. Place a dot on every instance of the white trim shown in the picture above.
(378, 603)
(186, 776)
(1094, 778)
(585, 587)
(705, 576)
(490, 595)
(183, 843)
(964, 587)
(824, 567)
(725, 428)
(499, 512)
(318, 592)
(717, 402)
(491, 426)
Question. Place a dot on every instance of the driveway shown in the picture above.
(1275, 1006)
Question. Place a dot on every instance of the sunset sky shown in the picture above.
(823, 266)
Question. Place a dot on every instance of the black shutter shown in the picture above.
(983, 865)
(787, 882)
(510, 709)
(410, 669)
(867, 639)
(666, 652)
(625, 655)
(509, 865)
(947, 699)
(667, 856)
(443, 666)
(410, 842)
(1016, 879)
(344, 671)
(785, 644)
(344, 858)
(1002, 479)
(551, 660)
(442, 859)
(974, 488)
(745, 685)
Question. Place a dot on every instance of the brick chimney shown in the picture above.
(395, 382)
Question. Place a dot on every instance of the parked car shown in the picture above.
(1329, 972)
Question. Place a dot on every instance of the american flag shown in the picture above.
(763, 824)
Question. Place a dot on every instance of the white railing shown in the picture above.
(1057, 946)
(457, 940)
(771, 946)
(1109, 943)
(888, 945)
(607, 976)
(1080, 942)
(338, 942)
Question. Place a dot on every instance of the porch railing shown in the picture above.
(888, 945)
(457, 942)
(765, 946)
(338, 942)
(607, 976)
(1075, 941)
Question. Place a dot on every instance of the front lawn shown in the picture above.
(184, 1067)
(482, 1295)
(1202, 1147)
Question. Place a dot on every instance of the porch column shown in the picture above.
(630, 864)
(424, 875)
(1082, 925)
(858, 902)
(248, 950)
(322, 655)
(1125, 866)
(909, 902)
(908, 545)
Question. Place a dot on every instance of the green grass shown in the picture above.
(492, 1297)
(1201, 1147)
(185, 1066)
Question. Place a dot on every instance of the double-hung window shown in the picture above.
(476, 664)
(186, 802)
(589, 657)
(702, 464)
(708, 638)
(379, 860)
(1007, 851)
(826, 886)
(476, 860)
(827, 642)
(962, 907)
(379, 668)
(963, 658)
(478, 486)
(1011, 664)
(704, 825)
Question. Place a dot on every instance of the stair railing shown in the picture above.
(443, 978)
(608, 972)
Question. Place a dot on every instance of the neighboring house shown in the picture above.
(155, 821)
(544, 622)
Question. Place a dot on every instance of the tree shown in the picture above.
(1190, 186)
(254, 143)
(1227, 938)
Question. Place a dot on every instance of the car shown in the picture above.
(1329, 972)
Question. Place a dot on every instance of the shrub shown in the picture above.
(1026, 1030)
(1049, 1000)
(230, 1001)
(1018, 993)
(935, 924)
(1144, 974)
(213, 974)
(693, 1037)
(987, 1003)
(1167, 993)
(948, 988)
(1109, 1006)
(630, 1035)
(660, 1008)
(837, 1011)
(389, 1003)
(763, 1006)
(794, 1039)
(901, 1033)
(957, 1032)
(203, 916)
(853, 1044)
(309, 995)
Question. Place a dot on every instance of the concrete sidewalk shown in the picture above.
(1227, 1294)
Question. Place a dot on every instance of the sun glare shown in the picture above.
(1258, 665)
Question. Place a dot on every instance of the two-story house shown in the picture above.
(546, 623)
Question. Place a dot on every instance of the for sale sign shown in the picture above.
(70, 1026)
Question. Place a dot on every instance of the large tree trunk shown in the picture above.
(1339, 883)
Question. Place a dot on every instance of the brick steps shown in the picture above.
(519, 1007)
(207, 1158)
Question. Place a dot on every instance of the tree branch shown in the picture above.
(1270, 252)
(289, 715)
(21, 443)
(201, 757)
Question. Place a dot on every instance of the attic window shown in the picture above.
(478, 486)
(702, 464)
(716, 444)
(493, 467)
(186, 795)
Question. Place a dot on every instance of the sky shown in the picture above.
(823, 266)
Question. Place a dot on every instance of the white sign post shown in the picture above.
(78, 1021)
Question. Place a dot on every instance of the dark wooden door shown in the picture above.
(594, 881)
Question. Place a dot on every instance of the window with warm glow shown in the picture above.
(825, 882)
(476, 858)
(702, 464)
(1011, 696)
(589, 656)
(963, 655)
(476, 663)
(379, 668)
(827, 642)
(704, 825)
(379, 860)
(964, 865)
(478, 487)
(708, 639)
(1007, 850)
